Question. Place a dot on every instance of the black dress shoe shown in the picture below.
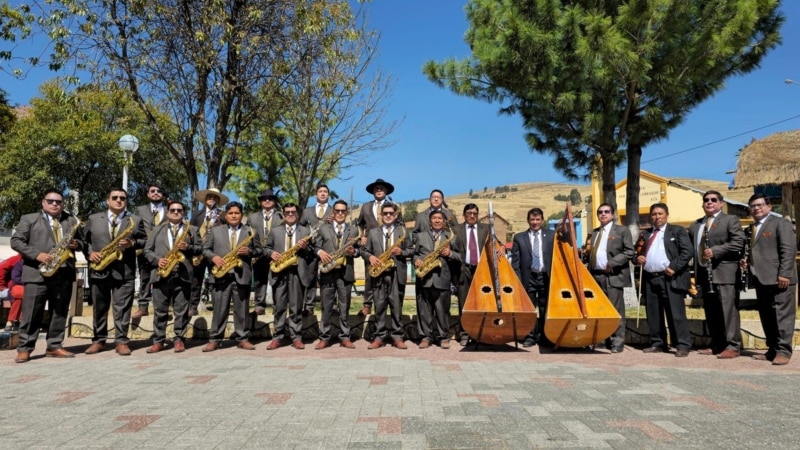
(653, 349)
(617, 349)
(528, 343)
(681, 352)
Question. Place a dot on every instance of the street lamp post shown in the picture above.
(128, 144)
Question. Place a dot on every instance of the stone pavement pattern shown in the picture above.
(384, 399)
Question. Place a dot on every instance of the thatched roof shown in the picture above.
(772, 160)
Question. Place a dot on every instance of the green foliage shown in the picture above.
(69, 142)
(575, 197)
(561, 197)
(7, 116)
(15, 24)
(409, 210)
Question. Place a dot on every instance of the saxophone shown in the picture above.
(386, 259)
(431, 260)
(111, 252)
(289, 257)
(60, 253)
(202, 232)
(232, 259)
(338, 258)
(174, 255)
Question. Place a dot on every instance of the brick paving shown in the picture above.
(494, 397)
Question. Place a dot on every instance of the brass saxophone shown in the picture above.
(60, 253)
(387, 262)
(232, 259)
(338, 258)
(431, 260)
(111, 252)
(174, 255)
(202, 232)
(289, 257)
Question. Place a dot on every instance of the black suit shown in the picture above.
(536, 282)
(467, 270)
(665, 294)
(146, 224)
(433, 296)
(336, 286)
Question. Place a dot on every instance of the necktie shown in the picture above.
(473, 247)
(338, 236)
(702, 248)
(233, 238)
(388, 242)
(320, 211)
(650, 241)
(289, 238)
(156, 216)
(267, 224)
(56, 231)
(174, 232)
(593, 256)
(379, 213)
(535, 259)
(114, 225)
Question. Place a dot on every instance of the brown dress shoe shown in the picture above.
(728, 354)
(178, 346)
(400, 344)
(245, 345)
(123, 350)
(321, 345)
(377, 343)
(425, 343)
(273, 344)
(22, 357)
(365, 311)
(705, 351)
(444, 344)
(298, 345)
(681, 353)
(347, 343)
(59, 353)
(139, 313)
(95, 348)
(765, 357)
(211, 346)
(781, 360)
(155, 348)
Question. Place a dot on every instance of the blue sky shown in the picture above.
(457, 144)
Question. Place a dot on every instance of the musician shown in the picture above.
(151, 215)
(311, 216)
(233, 286)
(774, 274)
(262, 222)
(113, 286)
(390, 285)
(211, 215)
(718, 239)
(531, 257)
(665, 261)
(174, 288)
(609, 263)
(436, 203)
(288, 285)
(370, 218)
(433, 299)
(337, 284)
(472, 236)
(34, 237)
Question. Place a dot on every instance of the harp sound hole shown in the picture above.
(588, 294)
(498, 322)
(566, 294)
(508, 289)
(486, 289)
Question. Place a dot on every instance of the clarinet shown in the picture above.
(708, 265)
(744, 276)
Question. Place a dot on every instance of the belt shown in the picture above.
(656, 274)
(599, 272)
(533, 272)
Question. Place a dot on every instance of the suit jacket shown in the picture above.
(366, 218)
(774, 251)
(680, 251)
(522, 254)
(256, 220)
(375, 243)
(619, 251)
(33, 235)
(461, 233)
(97, 234)
(309, 217)
(326, 240)
(199, 217)
(726, 240)
(439, 278)
(276, 242)
(146, 214)
(157, 247)
(218, 243)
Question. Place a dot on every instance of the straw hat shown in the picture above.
(200, 196)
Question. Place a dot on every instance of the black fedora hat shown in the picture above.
(371, 186)
(267, 194)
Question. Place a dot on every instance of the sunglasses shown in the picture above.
(290, 213)
(388, 213)
(710, 200)
(52, 201)
(343, 211)
(757, 205)
(470, 213)
(121, 198)
(176, 211)
(156, 191)
(604, 211)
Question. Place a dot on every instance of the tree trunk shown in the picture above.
(609, 186)
(632, 191)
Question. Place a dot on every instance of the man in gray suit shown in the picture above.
(311, 217)
(609, 262)
(175, 288)
(531, 257)
(774, 274)
(34, 238)
(262, 222)
(369, 218)
(433, 300)
(113, 286)
(337, 283)
(288, 285)
(153, 213)
(233, 286)
(472, 236)
(718, 238)
(435, 203)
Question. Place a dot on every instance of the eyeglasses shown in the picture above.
(710, 200)
(471, 213)
(155, 191)
(52, 201)
(757, 205)
(388, 213)
(342, 211)
(604, 211)
(290, 213)
(176, 211)
(266, 199)
(121, 198)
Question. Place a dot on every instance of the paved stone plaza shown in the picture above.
(387, 398)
